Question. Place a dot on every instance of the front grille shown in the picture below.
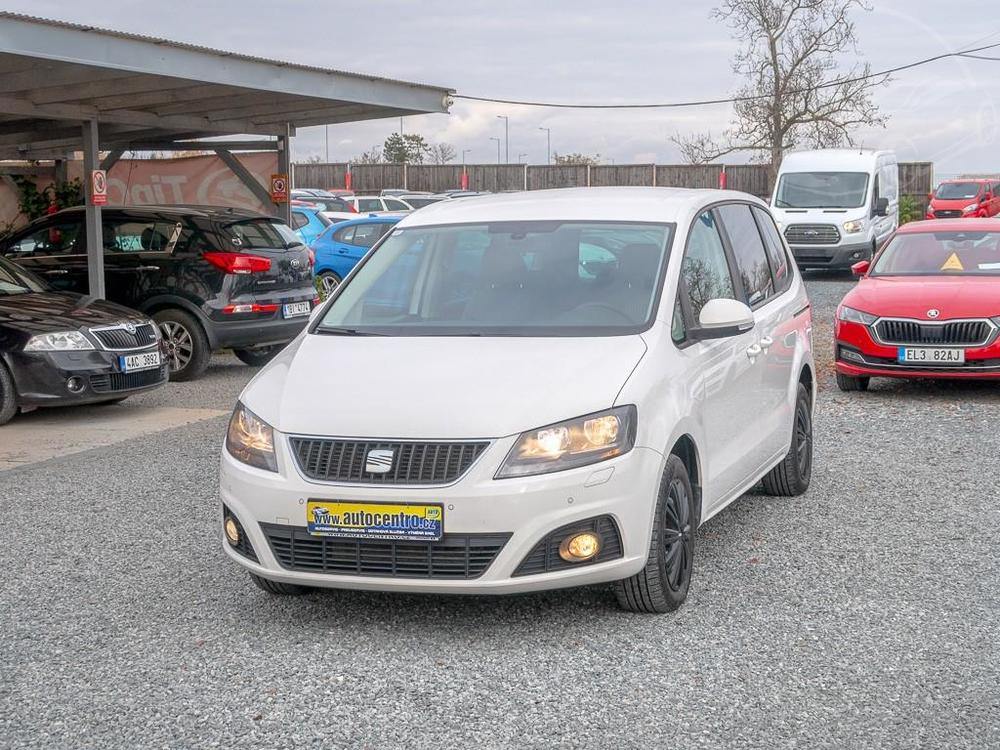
(954, 333)
(454, 556)
(243, 546)
(333, 460)
(544, 556)
(127, 381)
(812, 234)
(947, 214)
(119, 339)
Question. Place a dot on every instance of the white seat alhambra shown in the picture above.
(529, 391)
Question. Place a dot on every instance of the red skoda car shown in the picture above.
(927, 306)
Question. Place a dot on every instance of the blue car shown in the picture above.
(342, 245)
(308, 223)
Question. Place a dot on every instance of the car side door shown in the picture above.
(137, 256)
(726, 383)
(54, 249)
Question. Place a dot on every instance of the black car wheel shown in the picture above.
(258, 356)
(8, 396)
(327, 282)
(849, 383)
(187, 345)
(662, 585)
(791, 476)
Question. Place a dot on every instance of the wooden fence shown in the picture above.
(915, 178)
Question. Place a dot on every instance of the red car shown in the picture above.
(965, 199)
(927, 306)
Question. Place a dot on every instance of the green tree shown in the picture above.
(405, 148)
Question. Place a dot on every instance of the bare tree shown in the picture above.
(794, 91)
(372, 156)
(442, 153)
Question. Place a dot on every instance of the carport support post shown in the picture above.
(285, 168)
(95, 239)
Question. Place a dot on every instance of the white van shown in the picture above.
(836, 206)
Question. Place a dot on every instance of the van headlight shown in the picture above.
(970, 209)
(250, 439)
(851, 315)
(853, 227)
(60, 341)
(575, 442)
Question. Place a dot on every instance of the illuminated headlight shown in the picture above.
(851, 315)
(575, 442)
(61, 341)
(971, 208)
(251, 440)
(853, 227)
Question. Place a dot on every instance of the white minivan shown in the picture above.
(529, 391)
(836, 206)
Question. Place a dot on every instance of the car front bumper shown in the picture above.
(527, 509)
(43, 378)
(831, 256)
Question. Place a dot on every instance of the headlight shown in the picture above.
(575, 442)
(251, 440)
(853, 227)
(855, 316)
(61, 341)
(971, 208)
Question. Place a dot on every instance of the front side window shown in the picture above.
(536, 278)
(821, 190)
(748, 250)
(705, 269)
(55, 239)
(940, 254)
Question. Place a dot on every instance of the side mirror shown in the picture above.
(861, 267)
(722, 318)
(882, 207)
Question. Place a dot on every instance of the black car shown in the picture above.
(212, 278)
(59, 348)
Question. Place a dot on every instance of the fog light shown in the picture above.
(580, 547)
(232, 531)
(851, 355)
(74, 384)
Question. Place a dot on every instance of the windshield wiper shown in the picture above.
(338, 331)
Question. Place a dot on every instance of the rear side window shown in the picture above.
(369, 204)
(365, 235)
(705, 269)
(776, 254)
(260, 234)
(299, 220)
(141, 236)
(748, 250)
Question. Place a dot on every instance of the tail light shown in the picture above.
(238, 263)
(312, 257)
(254, 308)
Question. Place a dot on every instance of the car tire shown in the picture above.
(851, 383)
(662, 585)
(279, 588)
(8, 396)
(327, 282)
(791, 476)
(258, 356)
(188, 351)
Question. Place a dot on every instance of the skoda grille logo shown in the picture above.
(379, 460)
(933, 313)
(129, 326)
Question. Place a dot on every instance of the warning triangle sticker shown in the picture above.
(953, 264)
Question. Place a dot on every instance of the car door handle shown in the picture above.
(765, 343)
(753, 351)
(56, 272)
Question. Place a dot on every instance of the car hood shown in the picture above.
(46, 312)
(426, 387)
(913, 296)
(952, 204)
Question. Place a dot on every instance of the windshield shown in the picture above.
(260, 234)
(821, 190)
(953, 191)
(15, 280)
(941, 254)
(539, 278)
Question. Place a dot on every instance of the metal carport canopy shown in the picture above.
(132, 91)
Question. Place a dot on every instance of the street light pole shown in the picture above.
(548, 145)
(506, 137)
(464, 152)
(498, 147)
(327, 144)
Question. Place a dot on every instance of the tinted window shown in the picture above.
(748, 250)
(369, 204)
(299, 220)
(55, 239)
(345, 235)
(775, 250)
(705, 269)
(260, 234)
(138, 236)
(394, 205)
(366, 234)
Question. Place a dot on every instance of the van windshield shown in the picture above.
(951, 191)
(821, 190)
(537, 278)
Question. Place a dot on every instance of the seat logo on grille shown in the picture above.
(933, 313)
(379, 460)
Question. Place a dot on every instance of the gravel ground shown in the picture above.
(863, 614)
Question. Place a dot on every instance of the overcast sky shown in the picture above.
(581, 51)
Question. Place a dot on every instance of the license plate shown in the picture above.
(908, 355)
(296, 309)
(402, 521)
(144, 361)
